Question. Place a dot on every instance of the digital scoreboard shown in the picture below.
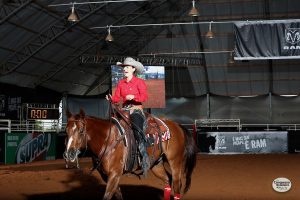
(42, 113)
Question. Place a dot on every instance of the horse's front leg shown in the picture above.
(66, 164)
(118, 194)
(77, 163)
(112, 187)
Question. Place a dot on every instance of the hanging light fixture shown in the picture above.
(73, 17)
(231, 59)
(209, 33)
(193, 12)
(109, 37)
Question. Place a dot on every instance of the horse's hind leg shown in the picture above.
(160, 172)
(176, 171)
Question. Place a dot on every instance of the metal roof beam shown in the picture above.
(155, 34)
(9, 9)
(79, 52)
(101, 78)
(146, 60)
(55, 30)
(197, 27)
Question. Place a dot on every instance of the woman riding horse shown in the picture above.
(172, 159)
(133, 91)
(173, 163)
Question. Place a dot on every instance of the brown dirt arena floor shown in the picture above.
(218, 177)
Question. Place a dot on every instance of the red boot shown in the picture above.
(167, 192)
(177, 196)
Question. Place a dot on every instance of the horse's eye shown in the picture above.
(81, 130)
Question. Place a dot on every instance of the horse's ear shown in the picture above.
(68, 113)
(82, 113)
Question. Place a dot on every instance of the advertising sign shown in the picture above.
(245, 142)
(29, 147)
(2, 147)
(274, 39)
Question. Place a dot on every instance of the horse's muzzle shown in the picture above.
(71, 155)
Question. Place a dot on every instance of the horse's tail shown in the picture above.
(190, 151)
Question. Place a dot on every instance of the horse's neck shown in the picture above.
(97, 131)
(97, 127)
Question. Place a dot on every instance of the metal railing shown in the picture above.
(218, 123)
(235, 124)
(5, 125)
(31, 126)
(272, 127)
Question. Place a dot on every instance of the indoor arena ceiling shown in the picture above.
(40, 47)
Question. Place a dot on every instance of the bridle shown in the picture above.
(82, 133)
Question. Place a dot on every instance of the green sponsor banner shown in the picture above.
(29, 147)
(2, 147)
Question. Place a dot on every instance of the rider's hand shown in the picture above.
(108, 97)
(129, 97)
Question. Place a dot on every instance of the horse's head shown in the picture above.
(212, 142)
(76, 135)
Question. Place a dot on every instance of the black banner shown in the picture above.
(279, 39)
(243, 142)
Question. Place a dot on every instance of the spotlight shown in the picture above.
(109, 37)
(73, 17)
(209, 33)
(193, 12)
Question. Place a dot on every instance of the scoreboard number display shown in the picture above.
(42, 113)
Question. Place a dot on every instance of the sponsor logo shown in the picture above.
(30, 148)
(281, 184)
(220, 142)
(292, 36)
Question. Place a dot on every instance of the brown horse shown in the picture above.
(102, 138)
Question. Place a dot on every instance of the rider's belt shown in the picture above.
(131, 108)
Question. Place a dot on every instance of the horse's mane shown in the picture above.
(93, 117)
(78, 116)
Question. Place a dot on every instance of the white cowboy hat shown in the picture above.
(131, 62)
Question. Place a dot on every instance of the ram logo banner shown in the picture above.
(292, 35)
(270, 39)
(33, 147)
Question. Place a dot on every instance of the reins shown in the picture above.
(126, 119)
(113, 109)
(105, 147)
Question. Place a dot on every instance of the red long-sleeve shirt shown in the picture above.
(136, 86)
